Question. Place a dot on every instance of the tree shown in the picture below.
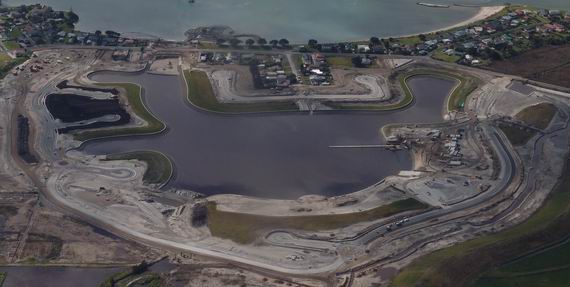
(422, 37)
(284, 42)
(261, 41)
(313, 43)
(273, 43)
(375, 41)
(249, 42)
(235, 42)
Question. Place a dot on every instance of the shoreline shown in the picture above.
(483, 13)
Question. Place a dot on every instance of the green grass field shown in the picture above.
(340, 61)
(200, 94)
(135, 102)
(159, 168)
(244, 228)
(462, 264)
(550, 268)
(440, 55)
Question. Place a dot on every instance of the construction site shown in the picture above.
(93, 173)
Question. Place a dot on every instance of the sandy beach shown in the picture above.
(483, 13)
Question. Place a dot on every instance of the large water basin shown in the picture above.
(282, 155)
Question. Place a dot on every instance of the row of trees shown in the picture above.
(234, 42)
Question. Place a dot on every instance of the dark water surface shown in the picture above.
(38, 276)
(283, 155)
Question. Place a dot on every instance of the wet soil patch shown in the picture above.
(65, 85)
(23, 145)
(70, 108)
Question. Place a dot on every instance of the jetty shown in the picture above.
(433, 5)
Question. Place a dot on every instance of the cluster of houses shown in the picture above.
(217, 58)
(315, 67)
(516, 30)
(269, 73)
(30, 25)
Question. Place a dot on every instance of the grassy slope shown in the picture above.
(243, 228)
(135, 101)
(159, 167)
(538, 116)
(462, 263)
(407, 100)
(7, 65)
(456, 99)
(200, 94)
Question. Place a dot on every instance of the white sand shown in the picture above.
(484, 13)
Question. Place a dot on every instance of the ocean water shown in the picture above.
(296, 20)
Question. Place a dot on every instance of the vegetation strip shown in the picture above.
(461, 264)
(244, 228)
(201, 95)
(134, 98)
(137, 275)
(456, 100)
(159, 167)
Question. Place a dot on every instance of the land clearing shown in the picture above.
(201, 95)
(159, 167)
(461, 264)
(245, 228)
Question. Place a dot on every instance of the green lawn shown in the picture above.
(440, 55)
(244, 228)
(159, 168)
(201, 95)
(462, 263)
(135, 102)
(340, 61)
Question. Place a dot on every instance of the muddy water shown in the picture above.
(271, 155)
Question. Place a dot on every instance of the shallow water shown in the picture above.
(271, 155)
